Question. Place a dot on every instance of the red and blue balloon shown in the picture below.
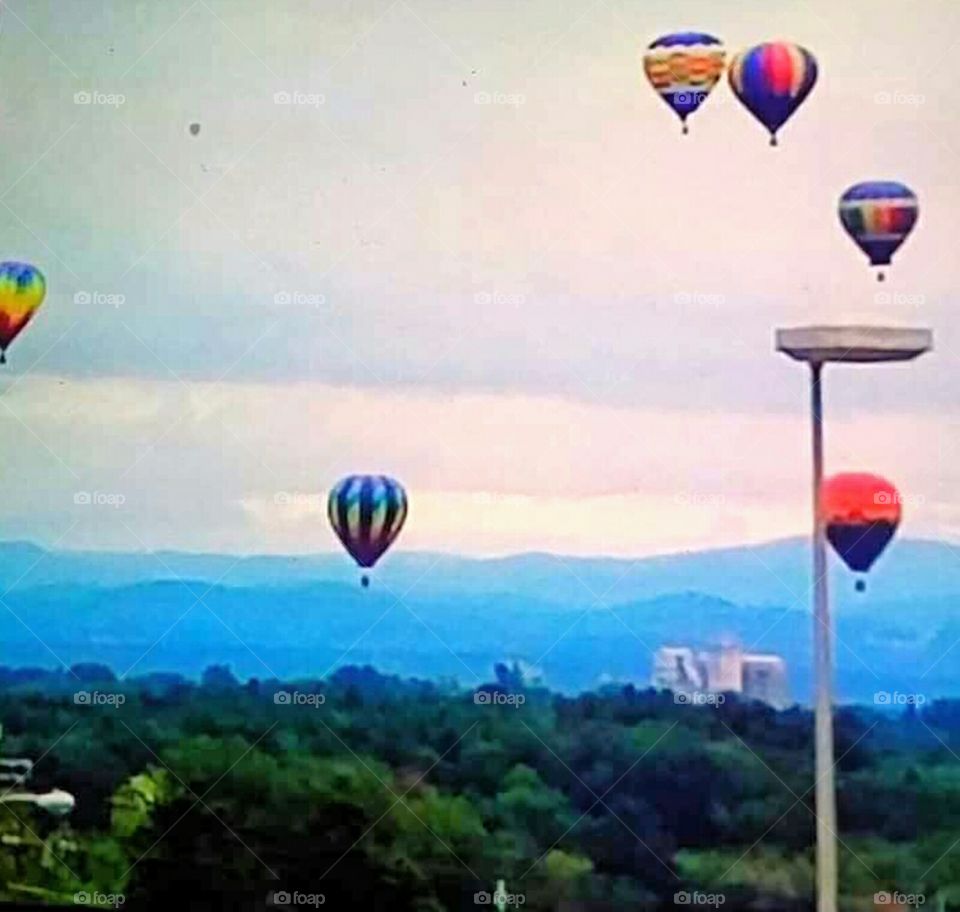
(772, 80)
(860, 513)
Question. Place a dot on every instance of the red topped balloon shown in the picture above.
(861, 513)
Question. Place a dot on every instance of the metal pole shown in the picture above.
(826, 808)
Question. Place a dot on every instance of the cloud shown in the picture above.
(246, 467)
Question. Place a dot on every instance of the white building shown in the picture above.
(726, 669)
(765, 678)
(676, 668)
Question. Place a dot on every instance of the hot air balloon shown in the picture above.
(879, 215)
(367, 512)
(683, 68)
(22, 288)
(861, 512)
(772, 80)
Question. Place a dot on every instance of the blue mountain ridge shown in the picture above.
(581, 621)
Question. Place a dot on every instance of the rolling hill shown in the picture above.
(581, 621)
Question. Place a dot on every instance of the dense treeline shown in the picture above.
(374, 792)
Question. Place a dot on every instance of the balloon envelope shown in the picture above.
(22, 289)
(879, 215)
(683, 68)
(367, 512)
(860, 512)
(772, 80)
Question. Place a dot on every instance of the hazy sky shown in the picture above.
(527, 296)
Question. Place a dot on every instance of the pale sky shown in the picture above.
(550, 315)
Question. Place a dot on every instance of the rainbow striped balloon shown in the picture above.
(367, 512)
(772, 80)
(683, 68)
(879, 215)
(22, 289)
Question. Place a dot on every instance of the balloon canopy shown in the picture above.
(879, 215)
(683, 68)
(22, 290)
(860, 513)
(367, 513)
(772, 80)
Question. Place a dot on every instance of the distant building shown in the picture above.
(677, 668)
(765, 678)
(726, 669)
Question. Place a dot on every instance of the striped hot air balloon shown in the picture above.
(879, 215)
(22, 289)
(683, 68)
(772, 80)
(367, 512)
(860, 513)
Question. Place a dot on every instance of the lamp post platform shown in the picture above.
(853, 344)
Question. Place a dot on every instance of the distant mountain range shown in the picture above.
(582, 621)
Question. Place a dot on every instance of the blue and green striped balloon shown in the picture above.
(367, 512)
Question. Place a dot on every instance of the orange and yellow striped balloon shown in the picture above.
(683, 68)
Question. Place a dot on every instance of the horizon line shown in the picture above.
(480, 558)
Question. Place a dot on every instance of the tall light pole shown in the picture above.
(817, 346)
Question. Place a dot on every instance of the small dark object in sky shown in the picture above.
(860, 585)
(194, 129)
(464, 82)
(109, 50)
